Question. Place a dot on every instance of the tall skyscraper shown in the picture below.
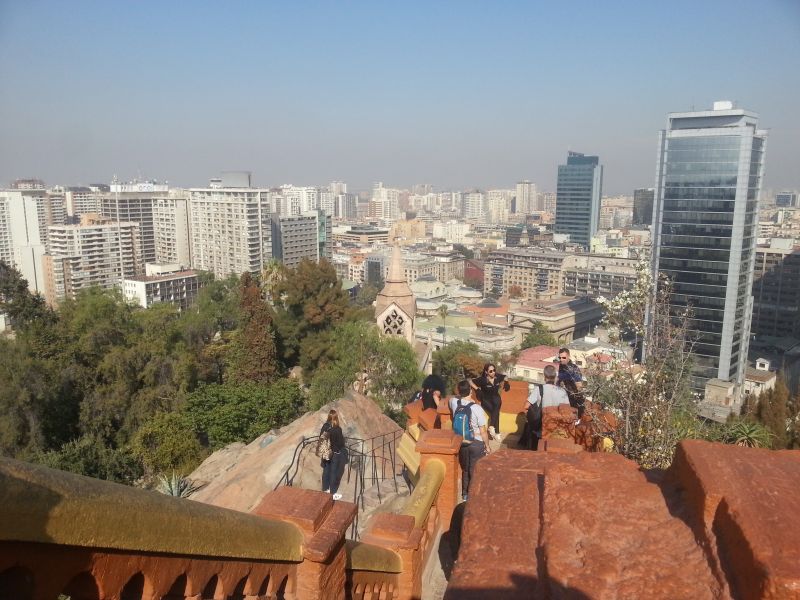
(171, 228)
(786, 199)
(643, 206)
(296, 237)
(710, 165)
(22, 238)
(133, 202)
(98, 252)
(526, 197)
(230, 229)
(580, 187)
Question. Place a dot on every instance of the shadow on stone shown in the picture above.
(523, 587)
(451, 541)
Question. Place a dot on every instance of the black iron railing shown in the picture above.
(369, 462)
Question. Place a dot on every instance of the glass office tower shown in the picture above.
(710, 165)
(579, 188)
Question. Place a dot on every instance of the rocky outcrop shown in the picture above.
(721, 523)
(239, 475)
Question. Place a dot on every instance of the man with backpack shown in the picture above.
(469, 421)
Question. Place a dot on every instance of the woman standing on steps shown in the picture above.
(488, 388)
(333, 468)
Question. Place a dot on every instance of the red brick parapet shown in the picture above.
(324, 524)
(721, 523)
(443, 445)
(413, 411)
(85, 538)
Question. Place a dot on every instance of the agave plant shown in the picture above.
(747, 433)
(176, 485)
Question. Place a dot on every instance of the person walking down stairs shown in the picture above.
(332, 451)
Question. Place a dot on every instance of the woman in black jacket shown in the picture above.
(333, 469)
(488, 388)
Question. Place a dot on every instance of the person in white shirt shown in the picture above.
(551, 395)
(471, 450)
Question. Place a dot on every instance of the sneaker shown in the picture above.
(327, 491)
(492, 434)
(464, 497)
(337, 496)
(498, 437)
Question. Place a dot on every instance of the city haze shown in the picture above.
(459, 95)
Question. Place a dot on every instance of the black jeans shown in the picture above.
(492, 409)
(468, 455)
(332, 471)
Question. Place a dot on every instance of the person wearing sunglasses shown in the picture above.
(487, 387)
(571, 379)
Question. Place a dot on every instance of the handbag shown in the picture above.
(324, 450)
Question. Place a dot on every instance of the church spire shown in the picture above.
(395, 306)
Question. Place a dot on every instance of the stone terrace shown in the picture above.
(723, 522)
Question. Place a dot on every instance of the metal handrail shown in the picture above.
(357, 458)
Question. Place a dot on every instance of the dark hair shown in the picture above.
(565, 350)
(486, 367)
(550, 373)
(463, 388)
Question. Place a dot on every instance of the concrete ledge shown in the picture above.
(419, 503)
(54, 507)
(367, 557)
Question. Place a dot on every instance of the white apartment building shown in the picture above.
(474, 205)
(133, 202)
(385, 203)
(453, 232)
(171, 228)
(230, 229)
(498, 205)
(527, 198)
(98, 252)
(163, 283)
(24, 217)
(293, 200)
(82, 200)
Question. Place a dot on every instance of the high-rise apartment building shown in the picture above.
(643, 206)
(474, 205)
(498, 205)
(786, 199)
(82, 200)
(133, 202)
(171, 228)
(230, 229)
(580, 186)
(384, 203)
(776, 289)
(98, 252)
(526, 197)
(301, 236)
(22, 239)
(710, 165)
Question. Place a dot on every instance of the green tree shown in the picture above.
(442, 312)
(539, 335)
(468, 254)
(772, 409)
(22, 307)
(366, 295)
(252, 355)
(746, 432)
(167, 443)
(653, 398)
(308, 300)
(91, 456)
(359, 353)
(222, 414)
(458, 360)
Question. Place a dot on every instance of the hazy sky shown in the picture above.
(457, 94)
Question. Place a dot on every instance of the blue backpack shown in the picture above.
(461, 420)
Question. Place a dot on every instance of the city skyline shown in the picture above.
(457, 95)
